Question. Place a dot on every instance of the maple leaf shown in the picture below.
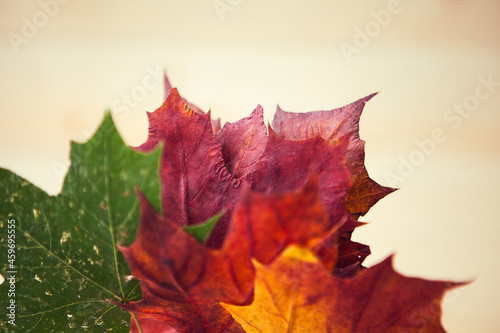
(66, 262)
(240, 152)
(191, 288)
(286, 165)
(296, 294)
(331, 125)
(190, 196)
(168, 87)
(182, 281)
(243, 142)
(363, 192)
(284, 201)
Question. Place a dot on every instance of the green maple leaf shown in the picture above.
(67, 264)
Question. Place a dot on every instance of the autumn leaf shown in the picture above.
(195, 183)
(260, 178)
(182, 281)
(253, 234)
(201, 172)
(332, 125)
(175, 272)
(150, 325)
(66, 263)
(191, 288)
(243, 142)
(296, 294)
(286, 165)
(168, 87)
(363, 193)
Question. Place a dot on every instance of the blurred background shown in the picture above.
(432, 131)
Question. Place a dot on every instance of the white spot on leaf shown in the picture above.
(65, 237)
(128, 278)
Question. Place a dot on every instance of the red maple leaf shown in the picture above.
(183, 281)
(201, 172)
(301, 182)
(332, 125)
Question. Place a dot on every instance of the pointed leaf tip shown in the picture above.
(201, 232)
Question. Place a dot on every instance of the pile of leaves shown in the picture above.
(244, 228)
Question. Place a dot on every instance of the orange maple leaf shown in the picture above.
(296, 294)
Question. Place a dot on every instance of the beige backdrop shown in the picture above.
(433, 131)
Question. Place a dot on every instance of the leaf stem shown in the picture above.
(137, 323)
(110, 214)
